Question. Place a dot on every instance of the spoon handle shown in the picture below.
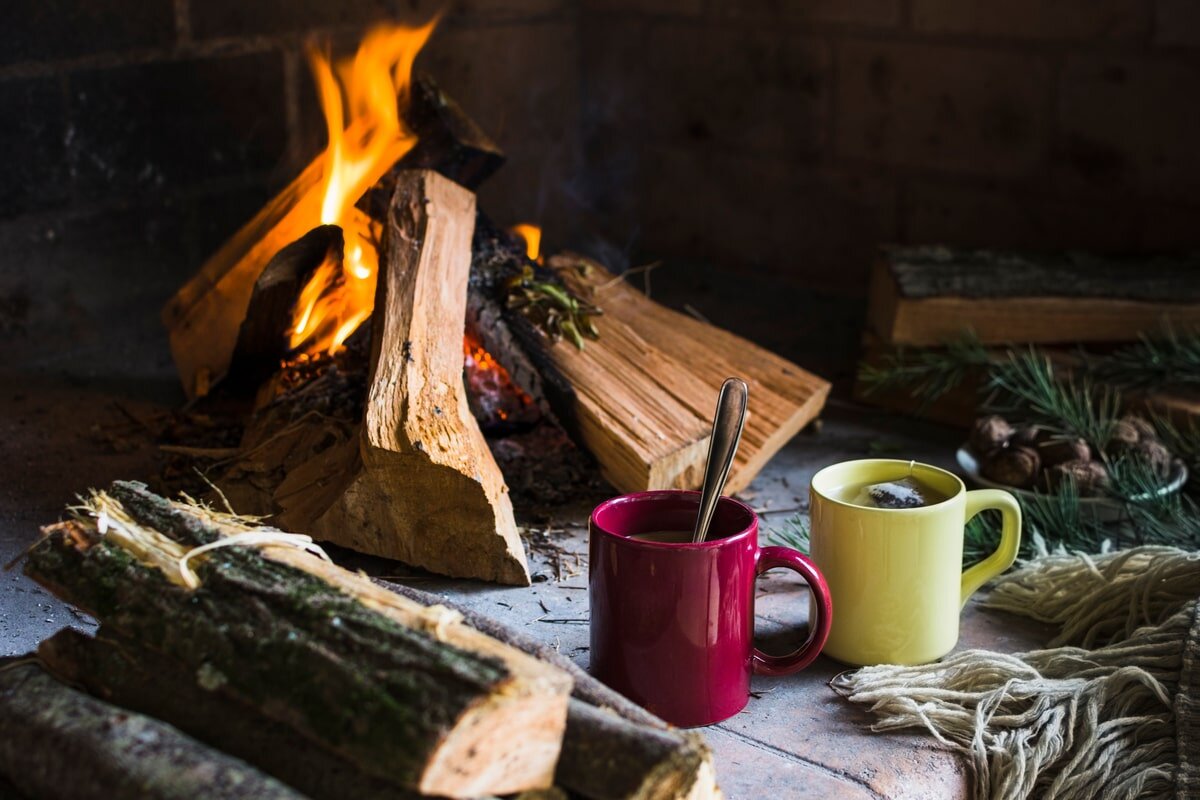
(728, 421)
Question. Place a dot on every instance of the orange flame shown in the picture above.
(532, 235)
(361, 100)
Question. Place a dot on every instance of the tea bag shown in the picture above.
(903, 493)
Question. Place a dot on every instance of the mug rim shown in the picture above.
(962, 487)
(662, 494)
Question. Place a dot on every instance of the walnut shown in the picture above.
(1027, 435)
(1146, 431)
(1012, 466)
(1124, 437)
(989, 433)
(1091, 478)
(1056, 451)
(1156, 456)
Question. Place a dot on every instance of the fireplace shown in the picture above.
(759, 152)
(374, 285)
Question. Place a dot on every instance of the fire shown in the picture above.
(362, 98)
(532, 235)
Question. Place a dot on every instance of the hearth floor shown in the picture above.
(796, 738)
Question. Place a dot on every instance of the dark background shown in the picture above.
(761, 148)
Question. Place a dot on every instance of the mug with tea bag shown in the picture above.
(888, 536)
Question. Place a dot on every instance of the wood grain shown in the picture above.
(422, 484)
(647, 389)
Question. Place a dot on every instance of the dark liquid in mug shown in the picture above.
(673, 537)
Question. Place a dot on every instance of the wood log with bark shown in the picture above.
(927, 296)
(405, 693)
(57, 742)
(120, 671)
(612, 748)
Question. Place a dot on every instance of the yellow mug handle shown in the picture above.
(1010, 538)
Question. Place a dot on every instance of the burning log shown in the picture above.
(263, 336)
(413, 697)
(58, 742)
(421, 486)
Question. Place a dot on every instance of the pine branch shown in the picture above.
(1025, 388)
(926, 373)
(1168, 359)
(794, 534)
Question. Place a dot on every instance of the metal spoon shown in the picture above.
(728, 421)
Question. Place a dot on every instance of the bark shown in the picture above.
(922, 272)
(57, 742)
(120, 672)
(607, 757)
(392, 699)
(586, 688)
(612, 747)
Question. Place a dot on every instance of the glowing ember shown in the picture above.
(493, 396)
(362, 99)
(532, 236)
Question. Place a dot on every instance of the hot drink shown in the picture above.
(672, 537)
(905, 492)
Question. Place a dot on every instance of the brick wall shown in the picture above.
(789, 137)
(779, 138)
(139, 134)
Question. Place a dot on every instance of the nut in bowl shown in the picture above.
(1132, 465)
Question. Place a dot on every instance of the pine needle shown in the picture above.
(927, 374)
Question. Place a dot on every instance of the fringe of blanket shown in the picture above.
(1092, 717)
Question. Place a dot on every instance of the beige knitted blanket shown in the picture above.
(1110, 710)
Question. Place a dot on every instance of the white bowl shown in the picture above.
(1104, 509)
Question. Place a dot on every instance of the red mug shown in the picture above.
(672, 624)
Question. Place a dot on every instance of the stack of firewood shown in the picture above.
(233, 660)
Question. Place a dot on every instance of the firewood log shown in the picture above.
(646, 390)
(612, 748)
(607, 757)
(58, 742)
(422, 485)
(309, 644)
(118, 671)
(263, 336)
(585, 688)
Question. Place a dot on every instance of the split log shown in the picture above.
(455, 714)
(926, 296)
(120, 672)
(612, 748)
(421, 486)
(585, 688)
(646, 390)
(58, 742)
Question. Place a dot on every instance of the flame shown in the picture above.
(361, 98)
(532, 235)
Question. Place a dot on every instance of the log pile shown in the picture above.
(322, 682)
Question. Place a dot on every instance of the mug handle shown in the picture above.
(1010, 538)
(765, 664)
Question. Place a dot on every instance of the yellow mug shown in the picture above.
(895, 575)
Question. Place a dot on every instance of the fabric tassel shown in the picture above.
(1096, 715)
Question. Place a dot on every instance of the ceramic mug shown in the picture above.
(672, 623)
(896, 575)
